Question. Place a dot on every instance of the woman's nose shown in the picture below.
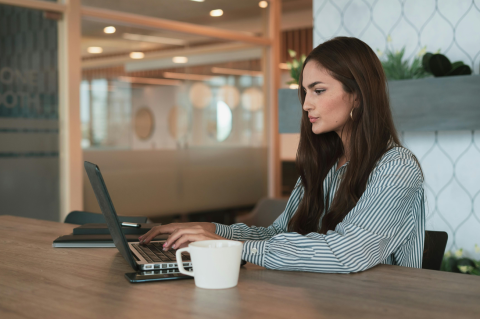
(307, 106)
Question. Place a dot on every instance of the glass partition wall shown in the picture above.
(180, 91)
(29, 113)
(155, 89)
(181, 112)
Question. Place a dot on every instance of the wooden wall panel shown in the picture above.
(300, 41)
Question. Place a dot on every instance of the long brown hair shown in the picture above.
(353, 63)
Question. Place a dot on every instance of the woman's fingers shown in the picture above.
(188, 238)
(157, 230)
(172, 229)
(184, 240)
(179, 233)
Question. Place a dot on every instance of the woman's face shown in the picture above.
(327, 104)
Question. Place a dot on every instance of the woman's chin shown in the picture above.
(317, 130)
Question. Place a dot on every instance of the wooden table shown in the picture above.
(39, 281)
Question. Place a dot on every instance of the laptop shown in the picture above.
(140, 257)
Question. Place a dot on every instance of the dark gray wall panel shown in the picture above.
(431, 104)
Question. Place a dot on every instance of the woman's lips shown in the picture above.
(312, 119)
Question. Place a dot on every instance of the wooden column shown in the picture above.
(71, 155)
(273, 84)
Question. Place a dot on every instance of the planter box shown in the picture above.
(431, 104)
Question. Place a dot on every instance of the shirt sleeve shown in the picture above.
(242, 232)
(379, 223)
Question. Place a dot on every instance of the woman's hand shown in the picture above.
(181, 234)
(181, 237)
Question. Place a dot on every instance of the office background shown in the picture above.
(232, 156)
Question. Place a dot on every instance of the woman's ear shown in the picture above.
(356, 100)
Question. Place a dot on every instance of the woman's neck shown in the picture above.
(341, 161)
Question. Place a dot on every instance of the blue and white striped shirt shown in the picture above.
(386, 226)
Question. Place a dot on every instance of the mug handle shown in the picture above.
(180, 261)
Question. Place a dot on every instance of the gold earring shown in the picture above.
(351, 116)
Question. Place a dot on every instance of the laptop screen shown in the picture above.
(106, 205)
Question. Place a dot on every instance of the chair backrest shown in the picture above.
(434, 249)
(264, 213)
(80, 218)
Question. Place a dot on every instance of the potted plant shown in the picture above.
(398, 69)
(295, 67)
(440, 65)
(424, 65)
(460, 264)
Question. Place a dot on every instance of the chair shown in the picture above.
(80, 218)
(434, 249)
(264, 213)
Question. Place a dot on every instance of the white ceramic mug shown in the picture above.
(215, 263)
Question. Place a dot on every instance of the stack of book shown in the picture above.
(97, 235)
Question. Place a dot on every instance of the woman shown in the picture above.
(351, 165)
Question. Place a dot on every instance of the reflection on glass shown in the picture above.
(200, 95)
(178, 123)
(224, 121)
(230, 95)
(105, 113)
(99, 110)
(144, 123)
(85, 113)
(115, 87)
(252, 99)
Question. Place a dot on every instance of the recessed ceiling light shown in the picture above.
(95, 50)
(180, 59)
(198, 0)
(109, 30)
(263, 4)
(216, 13)
(137, 55)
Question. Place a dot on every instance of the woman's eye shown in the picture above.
(319, 91)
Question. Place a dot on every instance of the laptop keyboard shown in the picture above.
(153, 252)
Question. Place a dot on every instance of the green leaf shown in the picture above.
(475, 271)
(451, 264)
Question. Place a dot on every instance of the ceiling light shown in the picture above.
(180, 59)
(109, 30)
(151, 38)
(216, 13)
(95, 50)
(137, 55)
(263, 4)
(198, 0)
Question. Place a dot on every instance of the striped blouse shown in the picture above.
(386, 226)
